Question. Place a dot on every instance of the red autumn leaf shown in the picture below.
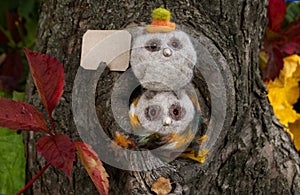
(17, 115)
(59, 150)
(290, 48)
(7, 83)
(276, 13)
(292, 31)
(94, 166)
(274, 64)
(48, 76)
(11, 71)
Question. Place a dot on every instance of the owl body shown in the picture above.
(163, 61)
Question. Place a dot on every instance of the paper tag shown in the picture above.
(109, 46)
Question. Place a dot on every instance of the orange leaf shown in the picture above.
(94, 166)
(161, 186)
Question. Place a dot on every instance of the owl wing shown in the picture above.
(153, 141)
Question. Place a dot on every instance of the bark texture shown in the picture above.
(252, 156)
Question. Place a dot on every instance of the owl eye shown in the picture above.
(153, 45)
(175, 44)
(176, 112)
(152, 112)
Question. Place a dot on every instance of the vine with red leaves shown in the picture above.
(58, 149)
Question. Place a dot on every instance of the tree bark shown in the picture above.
(253, 155)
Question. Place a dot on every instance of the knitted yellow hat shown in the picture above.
(160, 21)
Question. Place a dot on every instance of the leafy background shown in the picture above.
(280, 64)
(18, 21)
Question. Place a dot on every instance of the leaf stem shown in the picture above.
(52, 125)
(33, 179)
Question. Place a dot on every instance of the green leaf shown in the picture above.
(12, 156)
(4, 94)
(12, 162)
(292, 12)
(18, 96)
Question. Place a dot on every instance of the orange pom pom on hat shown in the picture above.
(161, 21)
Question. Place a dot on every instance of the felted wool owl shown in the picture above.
(162, 112)
(166, 114)
(168, 120)
(162, 57)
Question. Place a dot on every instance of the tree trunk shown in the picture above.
(253, 154)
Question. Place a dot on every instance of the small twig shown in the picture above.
(34, 179)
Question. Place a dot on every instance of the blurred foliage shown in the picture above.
(12, 158)
(18, 22)
(280, 64)
(281, 39)
(292, 12)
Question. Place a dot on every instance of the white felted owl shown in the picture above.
(162, 57)
(168, 120)
(162, 112)
(166, 114)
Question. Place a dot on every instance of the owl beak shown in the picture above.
(167, 121)
(167, 52)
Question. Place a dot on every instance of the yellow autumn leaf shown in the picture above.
(280, 92)
(286, 114)
(291, 67)
(295, 130)
(284, 90)
(282, 96)
(284, 93)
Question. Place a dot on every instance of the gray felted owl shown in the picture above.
(166, 118)
(166, 114)
(162, 112)
(169, 120)
(162, 58)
